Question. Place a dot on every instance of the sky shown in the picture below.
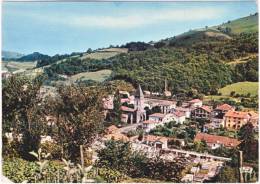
(65, 27)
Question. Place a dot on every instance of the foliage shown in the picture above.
(79, 114)
(118, 155)
(246, 71)
(19, 170)
(228, 175)
(55, 150)
(241, 88)
(10, 149)
(117, 108)
(249, 145)
(21, 112)
(73, 65)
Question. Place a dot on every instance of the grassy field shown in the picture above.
(215, 97)
(240, 88)
(247, 24)
(100, 75)
(12, 66)
(105, 53)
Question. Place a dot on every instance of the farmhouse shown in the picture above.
(156, 141)
(235, 119)
(161, 118)
(202, 112)
(214, 141)
(217, 115)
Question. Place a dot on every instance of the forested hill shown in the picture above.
(194, 61)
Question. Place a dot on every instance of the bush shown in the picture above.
(19, 170)
(54, 149)
(10, 149)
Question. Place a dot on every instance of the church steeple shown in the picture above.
(139, 92)
(139, 105)
(166, 92)
(165, 85)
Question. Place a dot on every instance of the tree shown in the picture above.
(89, 50)
(232, 93)
(117, 108)
(22, 112)
(200, 146)
(227, 175)
(79, 117)
(249, 145)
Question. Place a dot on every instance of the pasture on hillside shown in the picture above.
(240, 88)
(105, 53)
(12, 66)
(99, 76)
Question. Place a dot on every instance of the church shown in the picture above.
(136, 114)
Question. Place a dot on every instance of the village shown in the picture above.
(158, 127)
(202, 165)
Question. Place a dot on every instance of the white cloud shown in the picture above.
(146, 18)
(133, 20)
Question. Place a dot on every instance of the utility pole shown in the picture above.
(240, 156)
(81, 156)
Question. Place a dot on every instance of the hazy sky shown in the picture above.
(55, 27)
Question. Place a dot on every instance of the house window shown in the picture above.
(228, 125)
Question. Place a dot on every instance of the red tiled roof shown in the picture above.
(195, 101)
(224, 107)
(179, 113)
(166, 102)
(229, 142)
(160, 115)
(127, 109)
(237, 114)
(149, 122)
(206, 108)
(182, 109)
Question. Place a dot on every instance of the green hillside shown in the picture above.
(224, 31)
(194, 62)
(240, 88)
(247, 24)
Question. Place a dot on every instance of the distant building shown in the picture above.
(217, 115)
(186, 111)
(149, 125)
(166, 92)
(161, 118)
(214, 141)
(202, 112)
(136, 114)
(195, 103)
(235, 119)
(179, 117)
(156, 141)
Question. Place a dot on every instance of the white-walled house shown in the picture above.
(150, 124)
(186, 111)
(159, 117)
(179, 117)
(195, 103)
